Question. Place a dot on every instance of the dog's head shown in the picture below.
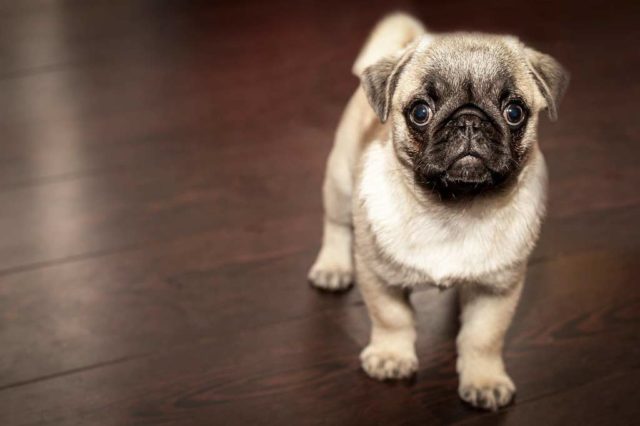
(464, 108)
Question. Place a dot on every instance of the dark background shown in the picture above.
(160, 173)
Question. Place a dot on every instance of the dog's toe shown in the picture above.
(382, 364)
(491, 396)
(331, 279)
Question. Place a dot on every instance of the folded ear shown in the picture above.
(552, 79)
(379, 81)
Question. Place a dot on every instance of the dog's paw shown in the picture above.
(489, 393)
(384, 364)
(331, 277)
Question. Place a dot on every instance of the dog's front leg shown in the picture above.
(391, 352)
(486, 315)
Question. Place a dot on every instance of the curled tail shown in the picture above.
(391, 34)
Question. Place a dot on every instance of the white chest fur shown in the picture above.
(450, 241)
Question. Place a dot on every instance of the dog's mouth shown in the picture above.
(467, 175)
(467, 169)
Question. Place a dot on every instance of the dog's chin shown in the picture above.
(467, 177)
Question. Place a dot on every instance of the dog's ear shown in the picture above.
(379, 81)
(551, 77)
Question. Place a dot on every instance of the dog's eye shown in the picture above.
(420, 114)
(514, 114)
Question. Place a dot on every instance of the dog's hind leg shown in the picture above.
(333, 268)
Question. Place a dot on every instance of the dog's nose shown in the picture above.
(469, 120)
(468, 116)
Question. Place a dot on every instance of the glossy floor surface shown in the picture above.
(160, 173)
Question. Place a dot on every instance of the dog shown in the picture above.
(436, 178)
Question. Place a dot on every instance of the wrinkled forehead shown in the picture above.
(484, 65)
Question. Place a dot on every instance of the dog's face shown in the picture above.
(464, 109)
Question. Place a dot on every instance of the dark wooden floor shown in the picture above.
(160, 171)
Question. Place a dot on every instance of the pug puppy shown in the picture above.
(436, 178)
